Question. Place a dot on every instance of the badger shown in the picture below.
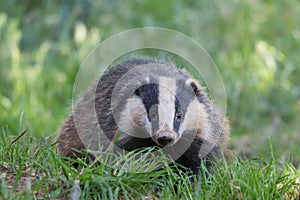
(144, 102)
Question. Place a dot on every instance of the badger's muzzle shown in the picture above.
(165, 138)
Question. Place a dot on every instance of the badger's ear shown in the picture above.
(197, 88)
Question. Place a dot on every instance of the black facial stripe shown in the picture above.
(176, 123)
(154, 121)
(149, 93)
(184, 96)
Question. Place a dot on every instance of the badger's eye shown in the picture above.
(178, 116)
(153, 116)
(137, 92)
(153, 112)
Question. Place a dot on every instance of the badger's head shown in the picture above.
(166, 109)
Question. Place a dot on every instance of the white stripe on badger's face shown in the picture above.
(134, 120)
(166, 107)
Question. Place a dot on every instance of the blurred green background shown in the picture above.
(255, 44)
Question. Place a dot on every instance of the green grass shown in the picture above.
(31, 167)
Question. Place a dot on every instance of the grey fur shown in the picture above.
(104, 104)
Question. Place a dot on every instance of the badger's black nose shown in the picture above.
(165, 138)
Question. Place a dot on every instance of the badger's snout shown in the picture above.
(165, 138)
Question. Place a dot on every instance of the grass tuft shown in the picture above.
(31, 167)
